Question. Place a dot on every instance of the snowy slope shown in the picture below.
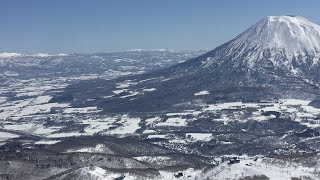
(280, 39)
(291, 33)
(262, 167)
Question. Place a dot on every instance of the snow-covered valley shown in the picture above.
(249, 109)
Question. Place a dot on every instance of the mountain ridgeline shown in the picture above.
(278, 57)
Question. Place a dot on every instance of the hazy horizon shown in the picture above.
(53, 27)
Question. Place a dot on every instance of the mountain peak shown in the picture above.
(285, 35)
(279, 39)
(290, 33)
(286, 18)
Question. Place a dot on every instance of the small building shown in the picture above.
(178, 175)
(234, 160)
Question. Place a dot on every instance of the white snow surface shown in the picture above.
(174, 121)
(200, 136)
(98, 125)
(136, 50)
(5, 136)
(248, 167)
(294, 33)
(42, 55)
(200, 93)
(129, 125)
(37, 55)
(47, 142)
(81, 110)
(3, 99)
(32, 128)
(149, 90)
(42, 99)
(5, 55)
(99, 148)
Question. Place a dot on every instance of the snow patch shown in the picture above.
(199, 136)
(174, 121)
(47, 142)
(201, 93)
(5, 55)
(81, 110)
(149, 90)
(128, 125)
(4, 136)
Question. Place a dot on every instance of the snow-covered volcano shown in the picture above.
(278, 39)
(273, 46)
(276, 57)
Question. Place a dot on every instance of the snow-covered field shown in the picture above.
(199, 136)
(46, 142)
(99, 148)
(3, 99)
(173, 121)
(6, 136)
(81, 110)
(296, 108)
(31, 128)
(38, 106)
(248, 167)
(31, 111)
(262, 166)
(68, 134)
(128, 126)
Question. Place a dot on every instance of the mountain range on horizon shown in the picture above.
(15, 55)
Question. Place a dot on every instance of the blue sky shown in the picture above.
(54, 26)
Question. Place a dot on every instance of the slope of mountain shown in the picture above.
(275, 58)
